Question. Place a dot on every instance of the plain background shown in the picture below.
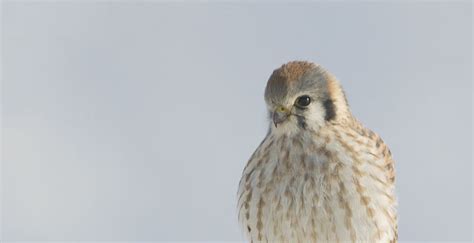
(134, 120)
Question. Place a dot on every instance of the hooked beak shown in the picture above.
(280, 115)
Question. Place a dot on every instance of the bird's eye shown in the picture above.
(303, 101)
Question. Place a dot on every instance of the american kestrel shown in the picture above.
(319, 175)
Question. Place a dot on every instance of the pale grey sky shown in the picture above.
(134, 120)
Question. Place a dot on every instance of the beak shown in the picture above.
(280, 115)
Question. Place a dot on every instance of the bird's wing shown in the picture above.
(381, 150)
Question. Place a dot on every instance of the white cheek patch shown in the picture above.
(314, 115)
(313, 120)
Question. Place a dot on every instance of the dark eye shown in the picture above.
(303, 101)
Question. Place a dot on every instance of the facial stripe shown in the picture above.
(301, 121)
(330, 109)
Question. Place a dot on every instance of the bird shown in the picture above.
(318, 175)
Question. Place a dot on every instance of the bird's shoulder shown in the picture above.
(369, 142)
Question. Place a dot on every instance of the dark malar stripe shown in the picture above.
(330, 110)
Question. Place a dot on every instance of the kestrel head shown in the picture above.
(303, 95)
